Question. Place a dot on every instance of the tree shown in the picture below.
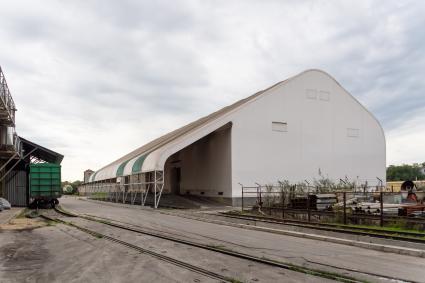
(74, 185)
(405, 172)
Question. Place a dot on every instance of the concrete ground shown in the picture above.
(238, 269)
(60, 253)
(307, 252)
(64, 254)
(8, 214)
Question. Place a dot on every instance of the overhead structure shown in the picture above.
(299, 129)
(16, 175)
(40, 153)
(10, 144)
(7, 105)
(17, 153)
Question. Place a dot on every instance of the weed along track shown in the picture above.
(348, 229)
(211, 248)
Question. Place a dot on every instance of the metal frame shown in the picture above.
(159, 186)
(6, 99)
(150, 182)
(16, 163)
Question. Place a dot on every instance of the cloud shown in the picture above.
(95, 79)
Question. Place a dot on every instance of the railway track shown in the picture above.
(362, 231)
(239, 255)
(159, 256)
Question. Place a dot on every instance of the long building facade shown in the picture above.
(296, 130)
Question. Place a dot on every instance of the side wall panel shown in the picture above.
(205, 166)
(16, 191)
(327, 133)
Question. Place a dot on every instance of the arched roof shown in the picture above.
(152, 155)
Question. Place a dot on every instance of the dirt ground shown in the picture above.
(23, 224)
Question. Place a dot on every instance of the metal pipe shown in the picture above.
(382, 210)
(345, 207)
(308, 207)
(242, 195)
(283, 204)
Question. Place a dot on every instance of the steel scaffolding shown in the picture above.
(130, 189)
(7, 105)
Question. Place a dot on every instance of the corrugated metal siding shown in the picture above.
(16, 188)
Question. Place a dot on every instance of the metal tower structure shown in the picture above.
(10, 143)
(7, 105)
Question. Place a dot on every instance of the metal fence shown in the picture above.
(371, 205)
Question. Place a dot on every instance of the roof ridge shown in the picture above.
(160, 141)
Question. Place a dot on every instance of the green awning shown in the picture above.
(120, 170)
(137, 166)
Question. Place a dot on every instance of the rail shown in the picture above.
(240, 255)
(159, 256)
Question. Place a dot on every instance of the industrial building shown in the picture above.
(87, 175)
(294, 130)
(17, 153)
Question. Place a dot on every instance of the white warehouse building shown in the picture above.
(291, 131)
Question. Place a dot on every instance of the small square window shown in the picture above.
(311, 93)
(324, 95)
(353, 133)
(279, 127)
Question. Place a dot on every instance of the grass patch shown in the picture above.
(99, 195)
(23, 213)
(320, 273)
(51, 223)
(399, 226)
(390, 228)
(98, 236)
(94, 234)
(105, 221)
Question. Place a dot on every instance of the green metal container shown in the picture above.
(45, 181)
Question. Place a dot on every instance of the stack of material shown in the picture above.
(4, 204)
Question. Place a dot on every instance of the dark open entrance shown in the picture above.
(175, 180)
(203, 168)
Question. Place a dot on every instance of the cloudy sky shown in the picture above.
(96, 79)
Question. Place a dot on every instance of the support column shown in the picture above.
(158, 186)
(144, 188)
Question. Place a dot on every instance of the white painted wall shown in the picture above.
(318, 113)
(205, 165)
(320, 116)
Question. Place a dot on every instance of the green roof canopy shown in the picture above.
(137, 166)
(120, 170)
